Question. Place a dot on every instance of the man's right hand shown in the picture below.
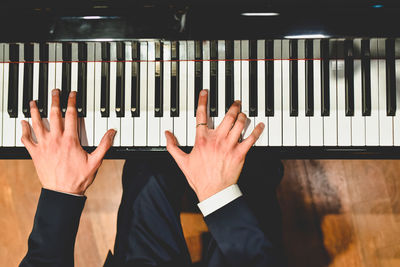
(217, 157)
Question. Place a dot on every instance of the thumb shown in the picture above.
(106, 142)
(173, 148)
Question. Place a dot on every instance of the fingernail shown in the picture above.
(32, 103)
(262, 125)
(203, 92)
(54, 92)
(113, 133)
(72, 94)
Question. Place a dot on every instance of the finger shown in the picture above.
(229, 119)
(247, 143)
(237, 129)
(71, 116)
(106, 142)
(56, 126)
(37, 123)
(201, 113)
(26, 138)
(173, 149)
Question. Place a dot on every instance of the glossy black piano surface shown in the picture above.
(117, 21)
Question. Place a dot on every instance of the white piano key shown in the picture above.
(1, 92)
(167, 120)
(372, 122)
(58, 69)
(206, 78)
(36, 58)
(74, 67)
(114, 122)
(220, 83)
(74, 75)
(191, 118)
(330, 122)
(344, 122)
(180, 122)
(358, 121)
(396, 119)
(51, 81)
(153, 123)
(35, 87)
(100, 123)
(303, 121)
(127, 120)
(263, 139)
(288, 122)
(275, 122)
(87, 126)
(237, 73)
(18, 126)
(9, 123)
(140, 123)
(317, 121)
(246, 88)
(385, 122)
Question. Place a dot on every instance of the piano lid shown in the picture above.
(196, 19)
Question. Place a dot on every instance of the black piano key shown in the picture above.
(366, 77)
(309, 78)
(28, 79)
(43, 78)
(105, 80)
(135, 81)
(294, 89)
(269, 78)
(253, 103)
(66, 76)
(158, 104)
(175, 79)
(82, 82)
(213, 79)
(325, 104)
(390, 78)
(12, 107)
(229, 75)
(120, 86)
(349, 76)
(198, 72)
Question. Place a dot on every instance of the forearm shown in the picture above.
(239, 237)
(52, 240)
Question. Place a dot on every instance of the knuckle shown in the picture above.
(55, 110)
(70, 141)
(71, 111)
(201, 141)
(199, 112)
(231, 116)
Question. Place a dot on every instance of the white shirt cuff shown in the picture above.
(219, 199)
(69, 193)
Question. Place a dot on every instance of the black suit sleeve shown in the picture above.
(239, 237)
(52, 240)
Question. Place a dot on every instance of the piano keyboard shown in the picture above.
(307, 92)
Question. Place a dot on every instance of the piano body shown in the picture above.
(325, 80)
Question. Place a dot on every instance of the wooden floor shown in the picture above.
(335, 213)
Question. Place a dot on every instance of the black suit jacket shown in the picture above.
(237, 234)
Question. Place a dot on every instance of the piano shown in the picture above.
(325, 79)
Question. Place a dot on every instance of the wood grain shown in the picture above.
(335, 213)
